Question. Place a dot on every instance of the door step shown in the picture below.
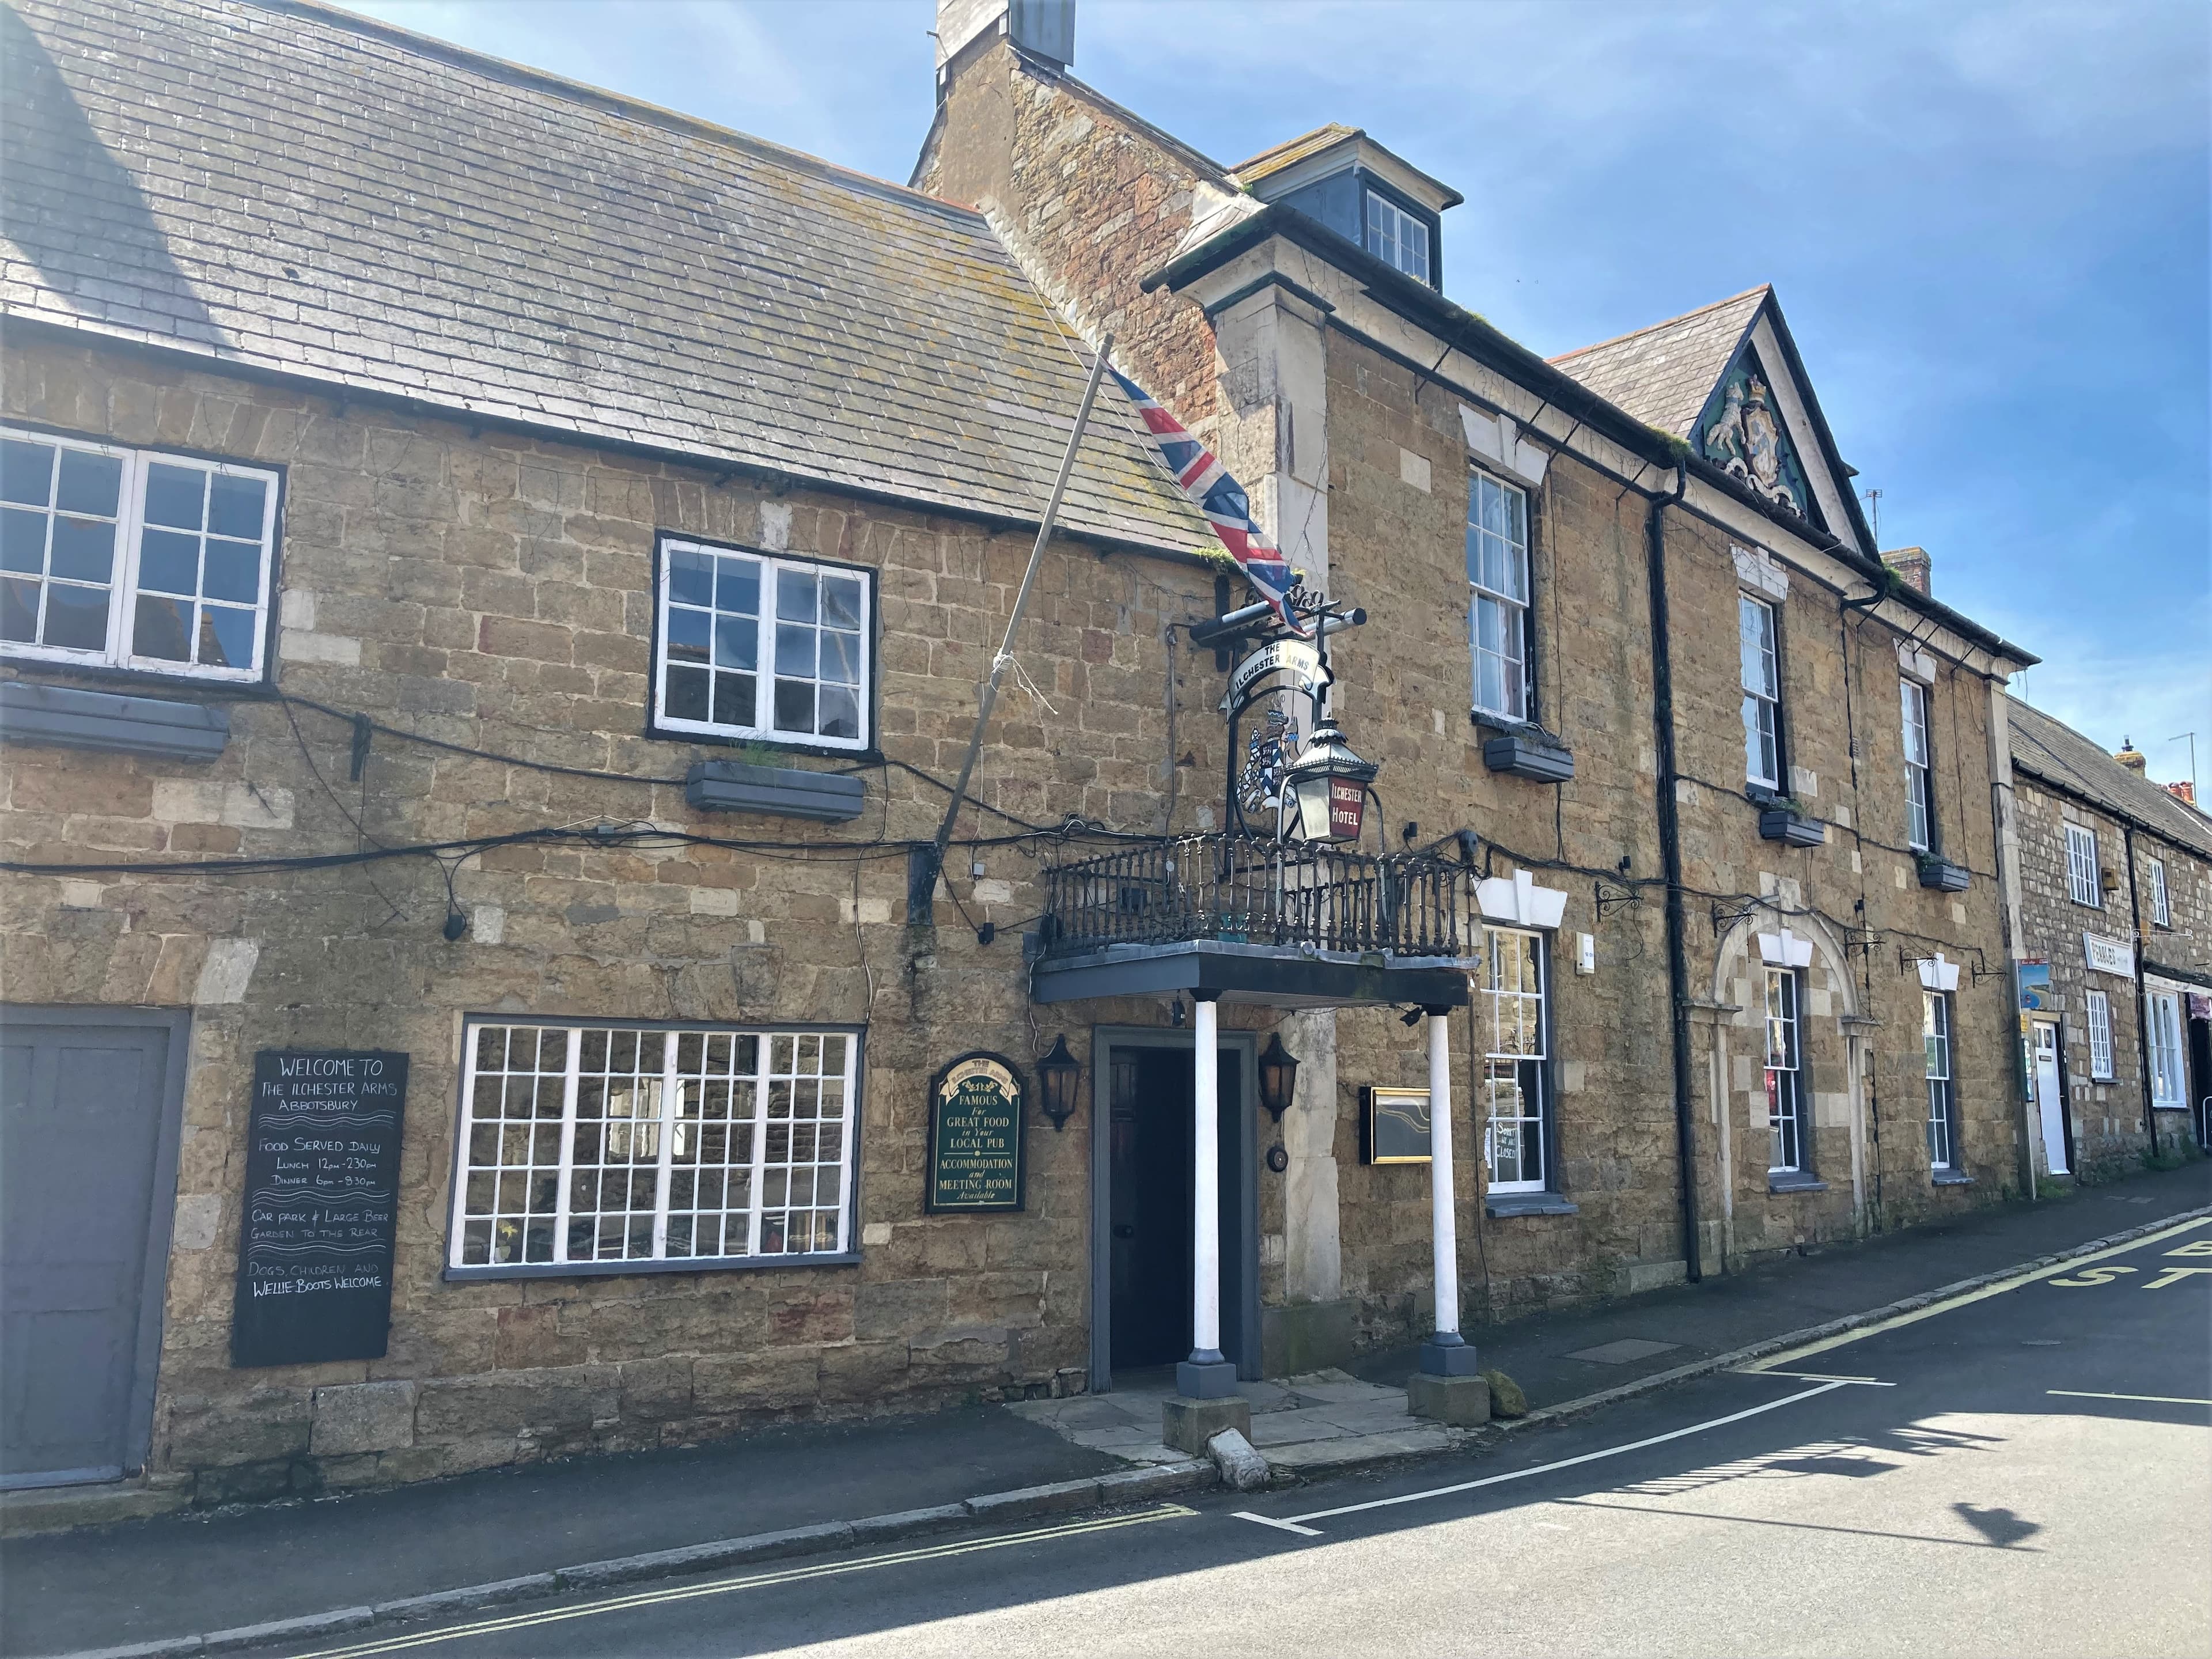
(59, 1509)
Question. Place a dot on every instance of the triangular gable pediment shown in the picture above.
(1743, 432)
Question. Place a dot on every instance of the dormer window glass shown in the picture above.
(1396, 237)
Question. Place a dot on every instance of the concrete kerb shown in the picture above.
(1106, 1490)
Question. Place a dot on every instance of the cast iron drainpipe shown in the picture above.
(2142, 991)
(1670, 851)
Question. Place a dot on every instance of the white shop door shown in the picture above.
(2049, 1098)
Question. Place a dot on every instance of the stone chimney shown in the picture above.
(1042, 29)
(1910, 565)
(2130, 756)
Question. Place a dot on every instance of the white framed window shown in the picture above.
(1515, 1031)
(1498, 612)
(2168, 1083)
(755, 645)
(1762, 692)
(1786, 1099)
(1942, 1111)
(582, 1145)
(2099, 1008)
(2082, 866)
(138, 559)
(2161, 907)
(1919, 794)
(1397, 237)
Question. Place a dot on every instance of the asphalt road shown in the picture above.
(2025, 1472)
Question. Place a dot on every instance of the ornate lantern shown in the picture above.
(1329, 783)
(1058, 1074)
(1278, 1076)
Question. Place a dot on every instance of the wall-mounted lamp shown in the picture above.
(1278, 1076)
(1058, 1074)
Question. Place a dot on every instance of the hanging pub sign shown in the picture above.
(975, 1137)
(322, 1206)
(1298, 659)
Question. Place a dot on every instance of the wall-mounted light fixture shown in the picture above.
(1278, 1076)
(1058, 1074)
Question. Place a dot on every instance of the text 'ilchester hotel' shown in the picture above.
(497, 582)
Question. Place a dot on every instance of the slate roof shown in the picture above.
(2060, 755)
(294, 189)
(1663, 375)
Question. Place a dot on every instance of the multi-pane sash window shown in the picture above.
(1498, 571)
(133, 559)
(2082, 866)
(2161, 907)
(585, 1145)
(758, 647)
(1762, 692)
(1396, 237)
(1919, 815)
(2099, 1009)
(2167, 1087)
(1784, 1077)
(1935, 1040)
(1513, 1031)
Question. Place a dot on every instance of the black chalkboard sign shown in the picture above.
(975, 1136)
(322, 1203)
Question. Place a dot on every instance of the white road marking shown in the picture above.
(2149, 1399)
(1297, 1523)
(1821, 1376)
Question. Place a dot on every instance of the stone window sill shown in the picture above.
(109, 722)
(1795, 1180)
(1505, 1204)
(1951, 1178)
(609, 1269)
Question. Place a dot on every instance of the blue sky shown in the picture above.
(1988, 226)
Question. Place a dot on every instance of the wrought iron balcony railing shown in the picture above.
(1246, 890)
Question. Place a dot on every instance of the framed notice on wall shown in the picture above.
(322, 1206)
(1394, 1126)
(975, 1137)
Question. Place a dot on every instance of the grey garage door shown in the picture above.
(87, 1165)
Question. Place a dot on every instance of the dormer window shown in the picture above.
(1396, 237)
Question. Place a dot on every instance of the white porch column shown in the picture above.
(1206, 1375)
(1445, 1353)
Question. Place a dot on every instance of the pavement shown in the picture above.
(169, 1577)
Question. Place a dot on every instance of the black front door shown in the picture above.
(1149, 1180)
(2200, 1080)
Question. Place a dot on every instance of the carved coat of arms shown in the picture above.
(1746, 441)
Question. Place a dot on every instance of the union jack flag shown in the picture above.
(1223, 500)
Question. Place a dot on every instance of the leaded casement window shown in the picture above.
(1762, 692)
(1396, 237)
(681, 1145)
(2161, 907)
(1919, 792)
(1515, 1029)
(2168, 1087)
(2082, 866)
(1497, 613)
(755, 645)
(1943, 1103)
(2098, 1009)
(1785, 1094)
(137, 559)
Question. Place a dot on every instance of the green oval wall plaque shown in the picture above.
(975, 1136)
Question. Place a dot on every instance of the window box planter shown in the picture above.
(1791, 827)
(1943, 875)
(1529, 754)
(775, 791)
(67, 717)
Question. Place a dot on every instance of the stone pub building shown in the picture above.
(495, 583)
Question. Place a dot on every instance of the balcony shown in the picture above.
(1249, 921)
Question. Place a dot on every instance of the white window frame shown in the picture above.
(122, 586)
(1517, 1061)
(774, 568)
(1919, 769)
(1498, 588)
(2168, 1080)
(2097, 1008)
(1784, 1072)
(1943, 1102)
(2083, 885)
(1395, 236)
(2161, 905)
(668, 1100)
(1758, 629)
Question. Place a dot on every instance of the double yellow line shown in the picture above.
(752, 1581)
